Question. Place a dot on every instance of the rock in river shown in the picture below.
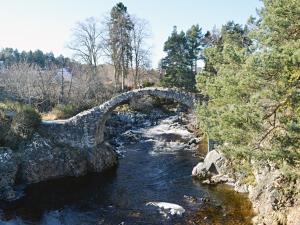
(167, 209)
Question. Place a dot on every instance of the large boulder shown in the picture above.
(42, 160)
(214, 169)
(8, 172)
(211, 165)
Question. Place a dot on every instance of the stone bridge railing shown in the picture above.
(86, 129)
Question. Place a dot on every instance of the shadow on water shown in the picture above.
(57, 194)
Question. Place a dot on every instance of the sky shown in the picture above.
(47, 24)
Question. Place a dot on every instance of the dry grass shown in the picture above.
(60, 112)
(49, 116)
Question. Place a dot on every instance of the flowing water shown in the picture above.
(155, 166)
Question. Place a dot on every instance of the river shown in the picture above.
(155, 166)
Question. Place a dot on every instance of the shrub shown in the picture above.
(148, 84)
(11, 106)
(25, 122)
(17, 122)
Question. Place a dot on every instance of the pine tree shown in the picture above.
(195, 43)
(119, 43)
(180, 64)
(253, 86)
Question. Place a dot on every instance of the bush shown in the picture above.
(11, 106)
(25, 122)
(17, 122)
(148, 84)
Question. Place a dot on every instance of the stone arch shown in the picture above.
(86, 129)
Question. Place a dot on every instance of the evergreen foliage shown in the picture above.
(120, 26)
(252, 79)
(11, 56)
(180, 65)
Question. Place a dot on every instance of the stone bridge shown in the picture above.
(86, 129)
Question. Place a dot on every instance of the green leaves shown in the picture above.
(281, 19)
(253, 85)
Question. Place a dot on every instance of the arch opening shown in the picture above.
(139, 104)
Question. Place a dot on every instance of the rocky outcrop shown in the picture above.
(275, 198)
(40, 159)
(214, 169)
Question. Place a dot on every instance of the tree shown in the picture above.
(140, 51)
(223, 49)
(29, 82)
(7, 56)
(86, 42)
(195, 43)
(180, 64)
(254, 89)
(118, 42)
(44, 60)
(39, 58)
(229, 104)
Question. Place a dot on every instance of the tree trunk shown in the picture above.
(123, 79)
(62, 86)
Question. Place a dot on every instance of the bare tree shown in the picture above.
(86, 42)
(87, 89)
(140, 50)
(45, 88)
(29, 82)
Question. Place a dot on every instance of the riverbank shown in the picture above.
(274, 196)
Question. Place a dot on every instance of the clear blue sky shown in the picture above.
(47, 24)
